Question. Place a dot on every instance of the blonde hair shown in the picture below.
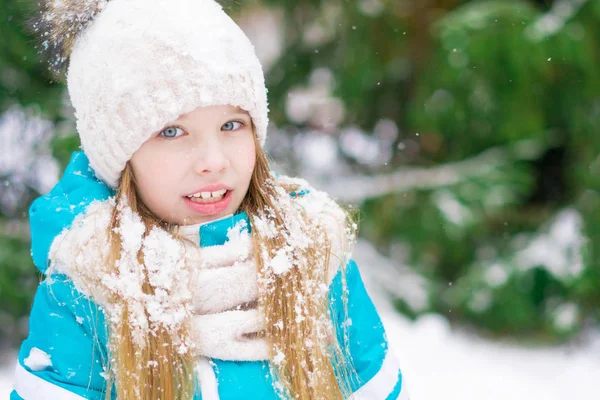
(309, 368)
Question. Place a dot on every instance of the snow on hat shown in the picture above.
(136, 65)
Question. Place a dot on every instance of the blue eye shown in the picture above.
(230, 126)
(171, 132)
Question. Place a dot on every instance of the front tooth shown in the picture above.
(218, 193)
(205, 195)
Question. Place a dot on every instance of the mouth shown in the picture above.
(209, 202)
(208, 197)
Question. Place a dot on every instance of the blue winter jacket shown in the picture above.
(67, 333)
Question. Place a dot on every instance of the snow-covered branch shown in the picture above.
(554, 20)
(360, 188)
(25, 158)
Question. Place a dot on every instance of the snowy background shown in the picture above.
(467, 133)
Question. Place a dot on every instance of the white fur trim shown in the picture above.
(209, 386)
(380, 386)
(80, 251)
(322, 208)
(31, 387)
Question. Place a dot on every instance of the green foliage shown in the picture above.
(483, 82)
(23, 78)
(367, 55)
(495, 77)
(63, 147)
(18, 280)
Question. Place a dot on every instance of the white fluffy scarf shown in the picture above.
(214, 287)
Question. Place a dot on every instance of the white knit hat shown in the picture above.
(142, 63)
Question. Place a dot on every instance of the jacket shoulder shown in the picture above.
(51, 213)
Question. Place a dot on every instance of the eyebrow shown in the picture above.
(240, 109)
(239, 114)
(236, 112)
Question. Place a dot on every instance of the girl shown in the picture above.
(176, 264)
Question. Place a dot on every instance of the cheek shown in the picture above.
(154, 172)
(144, 181)
(248, 155)
(249, 161)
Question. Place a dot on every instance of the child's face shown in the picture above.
(198, 167)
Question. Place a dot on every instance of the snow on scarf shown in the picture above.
(215, 287)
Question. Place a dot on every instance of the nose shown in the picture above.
(211, 157)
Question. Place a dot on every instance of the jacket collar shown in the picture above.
(214, 233)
